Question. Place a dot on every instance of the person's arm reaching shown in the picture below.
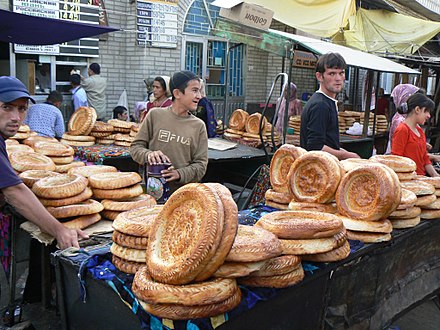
(27, 204)
(341, 154)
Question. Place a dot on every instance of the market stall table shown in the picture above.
(373, 285)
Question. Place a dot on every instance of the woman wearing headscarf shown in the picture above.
(205, 111)
(295, 107)
(161, 95)
(400, 95)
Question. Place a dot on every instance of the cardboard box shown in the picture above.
(245, 13)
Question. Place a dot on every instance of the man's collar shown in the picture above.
(331, 98)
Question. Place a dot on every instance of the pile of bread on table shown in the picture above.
(84, 130)
(77, 195)
(245, 128)
(370, 196)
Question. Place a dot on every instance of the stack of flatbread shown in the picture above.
(130, 238)
(407, 214)
(295, 123)
(347, 119)
(103, 132)
(79, 127)
(112, 208)
(404, 167)
(432, 210)
(315, 236)
(23, 132)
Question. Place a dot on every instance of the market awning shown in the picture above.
(280, 42)
(33, 30)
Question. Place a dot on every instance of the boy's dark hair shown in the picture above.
(95, 68)
(417, 99)
(119, 110)
(180, 81)
(75, 79)
(55, 96)
(332, 61)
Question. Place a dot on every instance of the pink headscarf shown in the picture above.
(400, 95)
(295, 107)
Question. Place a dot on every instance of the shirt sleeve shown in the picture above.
(139, 147)
(317, 126)
(59, 125)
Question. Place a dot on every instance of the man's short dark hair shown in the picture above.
(119, 110)
(75, 79)
(95, 68)
(330, 61)
(55, 96)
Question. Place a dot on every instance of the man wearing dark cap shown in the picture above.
(14, 98)
(173, 135)
(95, 86)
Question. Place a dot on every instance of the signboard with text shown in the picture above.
(304, 59)
(156, 23)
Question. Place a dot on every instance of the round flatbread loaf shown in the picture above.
(405, 223)
(237, 269)
(77, 138)
(10, 142)
(351, 163)
(300, 206)
(406, 176)
(435, 181)
(314, 245)
(280, 165)
(254, 243)
(368, 192)
(424, 201)
(110, 215)
(18, 147)
(180, 312)
(60, 186)
(137, 222)
(120, 123)
(89, 206)
(185, 235)
(368, 237)
(337, 254)
(229, 231)
(301, 224)
(419, 187)
(238, 119)
(435, 205)
(82, 121)
(252, 124)
(430, 214)
(134, 242)
(277, 197)
(408, 213)
(129, 254)
(63, 160)
(314, 177)
(53, 149)
(88, 171)
(30, 141)
(381, 226)
(278, 266)
(408, 198)
(22, 161)
(101, 126)
(29, 177)
(78, 143)
(143, 200)
(204, 293)
(82, 196)
(119, 194)
(65, 168)
(125, 266)
(114, 180)
(396, 163)
(275, 281)
(83, 221)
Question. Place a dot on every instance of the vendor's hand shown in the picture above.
(428, 146)
(157, 157)
(69, 237)
(171, 174)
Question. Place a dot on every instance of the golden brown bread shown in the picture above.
(419, 187)
(254, 243)
(69, 138)
(119, 194)
(110, 215)
(199, 294)
(82, 196)
(134, 242)
(30, 141)
(337, 254)
(430, 214)
(410, 212)
(368, 237)
(275, 281)
(125, 266)
(22, 161)
(120, 123)
(368, 192)
(408, 198)
(180, 312)
(88, 171)
(237, 269)
(89, 206)
(278, 197)
(424, 201)
(278, 266)
(275, 205)
(301, 224)
(114, 180)
(314, 177)
(380, 226)
(406, 176)
(136, 255)
(396, 163)
(78, 143)
(137, 222)
(29, 177)
(405, 223)
(83, 221)
(143, 200)
(351, 163)
(60, 186)
(229, 231)
(65, 168)
(82, 120)
(184, 233)
(63, 160)
(280, 165)
(10, 142)
(301, 206)
(238, 119)
(435, 181)
(101, 126)
(252, 124)
(435, 205)
(18, 147)
(313, 245)
(53, 149)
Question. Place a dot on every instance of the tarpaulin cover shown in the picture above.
(32, 30)
(322, 18)
(382, 31)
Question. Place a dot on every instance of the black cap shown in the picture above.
(180, 78)
(12, 89)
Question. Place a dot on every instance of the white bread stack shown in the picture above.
(404, 167)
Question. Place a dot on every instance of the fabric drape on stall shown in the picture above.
(321, 18)
(383, 31)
